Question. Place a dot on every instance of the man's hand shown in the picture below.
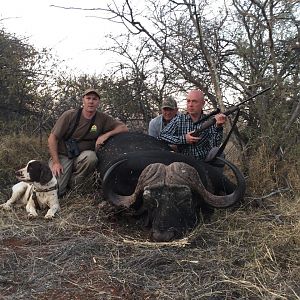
(220, 120)
(191, 139)
(101, 140)
(57, 169)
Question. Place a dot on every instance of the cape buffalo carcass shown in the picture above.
(167, 188)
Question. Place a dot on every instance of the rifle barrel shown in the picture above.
(253, 96)
(228, 112)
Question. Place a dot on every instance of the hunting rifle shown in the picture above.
(207, 121)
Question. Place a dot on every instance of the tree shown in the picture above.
(24, 81)
(264, 53)
(242, 48)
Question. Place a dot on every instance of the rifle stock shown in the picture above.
(206, 124)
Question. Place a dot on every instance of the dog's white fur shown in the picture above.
(23, 192)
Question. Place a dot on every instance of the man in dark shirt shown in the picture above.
(92, 129)
(179, 130)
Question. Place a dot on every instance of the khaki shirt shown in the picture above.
(64, 125)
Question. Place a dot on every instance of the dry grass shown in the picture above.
(15, 151)
(95, 252)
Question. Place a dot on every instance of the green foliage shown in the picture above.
(122, 97)
(26, 82)
(16, 62)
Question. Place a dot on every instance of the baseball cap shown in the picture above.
(91, 91)
(169, 102)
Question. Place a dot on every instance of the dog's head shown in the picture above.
(35, 171)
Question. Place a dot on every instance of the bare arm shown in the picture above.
(57, 168)
(118, 129)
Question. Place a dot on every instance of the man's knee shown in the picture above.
(89, 157)
(87, 160)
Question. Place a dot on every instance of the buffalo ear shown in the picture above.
(46, 174)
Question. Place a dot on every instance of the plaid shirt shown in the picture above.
(174, 133)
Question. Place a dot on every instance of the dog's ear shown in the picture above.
(46, 174)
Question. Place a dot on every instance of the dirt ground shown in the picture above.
(94, 252)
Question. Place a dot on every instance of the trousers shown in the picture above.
(75, 170)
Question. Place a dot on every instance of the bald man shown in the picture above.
(179, 130)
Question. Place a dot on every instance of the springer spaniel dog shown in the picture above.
(37, 189)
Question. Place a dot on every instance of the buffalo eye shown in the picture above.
(149, 197)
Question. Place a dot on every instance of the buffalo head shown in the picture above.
(168, 189)
(171, 196)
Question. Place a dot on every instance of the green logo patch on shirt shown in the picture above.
(93, 128)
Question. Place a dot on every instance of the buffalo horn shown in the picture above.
(153, 174)
(107, 182)
(177, 173)
(181, 173)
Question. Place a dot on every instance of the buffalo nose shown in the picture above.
(163, 236)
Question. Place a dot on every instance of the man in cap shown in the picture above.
(180, 130)
(168, 111)
(74, 138)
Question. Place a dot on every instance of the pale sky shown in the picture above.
(72, 34)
